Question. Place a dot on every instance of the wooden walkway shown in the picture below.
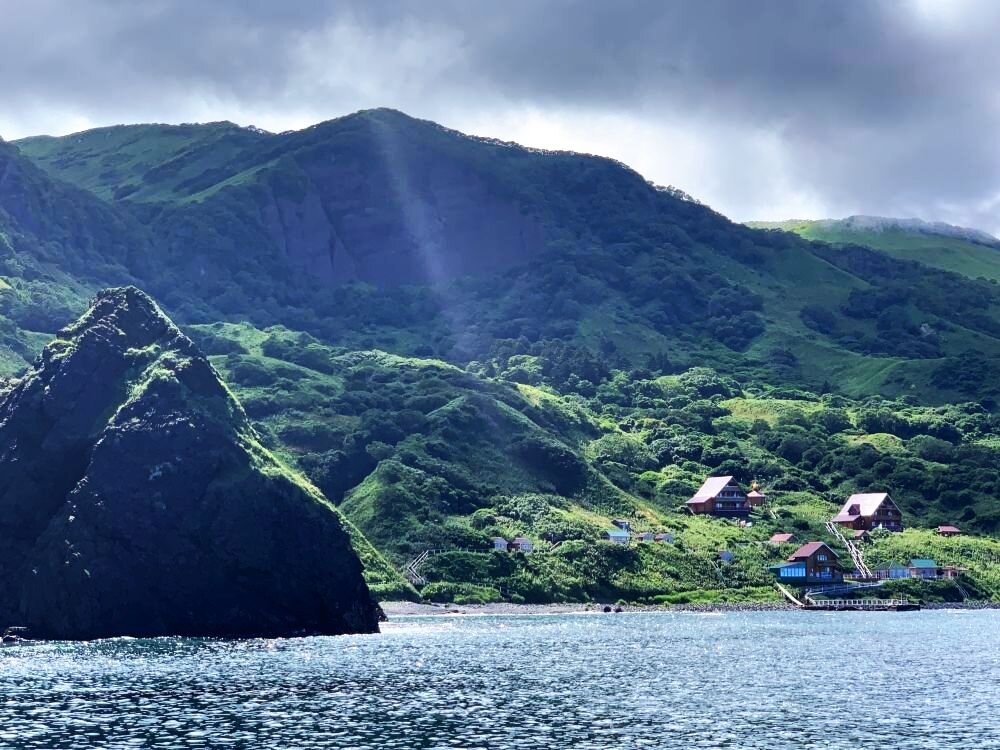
(863, 605)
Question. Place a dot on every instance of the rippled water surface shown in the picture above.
(741, 680)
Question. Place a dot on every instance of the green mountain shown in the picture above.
(380, 230)
(456, 338)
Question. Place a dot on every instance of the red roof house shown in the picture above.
(781, 538)
(870, 510)
(948, 531)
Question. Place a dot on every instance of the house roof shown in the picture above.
(755, 493)
(782, 538)
(922, 562)
(861, 534)
(808, 550)
(499, 539)
(867, 502)
(711, 487)
(521, 540)
(779, 566)
(948, 530)
(616, 532)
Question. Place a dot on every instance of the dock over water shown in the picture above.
(862, 605)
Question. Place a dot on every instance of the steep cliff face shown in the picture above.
(376, 197)
(354, 223)
(136, 500)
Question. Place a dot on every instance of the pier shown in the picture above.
(862, 605)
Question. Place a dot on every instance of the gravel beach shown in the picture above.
(409, 609)
(399, 609)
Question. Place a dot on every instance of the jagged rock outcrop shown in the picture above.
(136, 500)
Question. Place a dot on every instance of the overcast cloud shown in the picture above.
(764, 109)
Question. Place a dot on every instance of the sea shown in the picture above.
(784, 679)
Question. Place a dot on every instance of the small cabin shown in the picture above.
(500, 543)
(894, 571)
(622, 524)
(923, 568)
(664, 538)
(929, 569)
(755, 497)
(522, 544)
(777, 539)
(814, 562)
(870, 510)
(720, 496)
(616, 536)
(948, 530)
(861, 536)
(645, 536)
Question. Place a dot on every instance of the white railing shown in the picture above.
(852, 549)
(860, 603)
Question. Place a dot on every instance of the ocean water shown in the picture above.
(771, 680)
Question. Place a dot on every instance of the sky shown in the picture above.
(764, 109)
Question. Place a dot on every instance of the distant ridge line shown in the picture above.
(866, 223)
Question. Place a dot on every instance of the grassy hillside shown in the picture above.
(58, 244)
(144, 162)
(422, 455)
(956, 254)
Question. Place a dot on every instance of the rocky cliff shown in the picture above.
(136, 500)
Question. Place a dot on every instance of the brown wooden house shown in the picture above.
(755, 497)
(811, 563)
(870, 510)
(720, 496)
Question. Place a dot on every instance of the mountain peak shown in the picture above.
(131, 312)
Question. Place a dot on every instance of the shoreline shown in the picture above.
(414, 609)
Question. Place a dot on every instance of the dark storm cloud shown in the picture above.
(866, 106)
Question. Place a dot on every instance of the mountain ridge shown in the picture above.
(381, 198)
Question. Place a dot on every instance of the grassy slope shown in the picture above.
(947, 253)
(145, 163)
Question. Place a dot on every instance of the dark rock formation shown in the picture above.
(135, 498)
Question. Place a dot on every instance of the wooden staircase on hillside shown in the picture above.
(412, 569)
(852, 548)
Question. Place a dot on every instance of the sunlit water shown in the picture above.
(742, 680)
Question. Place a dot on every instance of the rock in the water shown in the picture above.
(135, 498)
